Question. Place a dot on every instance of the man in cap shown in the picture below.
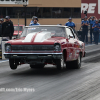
(92, 20)
(10, 20)
(96, 27)
(35, 22)
(70, 23)
(7, 29)
(1, 22)
(32, 21)
(84, 25)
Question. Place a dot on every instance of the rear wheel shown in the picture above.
(77, 63)
(74, 64)
(69, 64)
(37, 66)
(13, 64)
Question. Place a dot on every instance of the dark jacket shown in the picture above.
(0, 29)
(11, 21)
(7, 29)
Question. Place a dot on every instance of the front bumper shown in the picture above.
(33, 55)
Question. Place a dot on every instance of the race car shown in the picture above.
(45, 44)
(16, 30)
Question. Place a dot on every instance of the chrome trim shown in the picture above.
(32, 53)
(29, 51)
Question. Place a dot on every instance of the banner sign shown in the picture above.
(20, 2)
(92, 7)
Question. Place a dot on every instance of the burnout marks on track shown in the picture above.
(92, 60)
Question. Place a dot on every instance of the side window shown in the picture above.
(69, 33)
(74, 34)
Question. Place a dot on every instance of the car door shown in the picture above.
(77, 45)
(71, 45)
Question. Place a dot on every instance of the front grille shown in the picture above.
(32, 47)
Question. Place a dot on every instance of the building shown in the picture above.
(48, 11)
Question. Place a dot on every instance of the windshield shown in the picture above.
(54, 30)
(16, 28)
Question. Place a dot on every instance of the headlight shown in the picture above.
(7, 47)
(57, 47)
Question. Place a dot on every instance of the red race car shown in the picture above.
(45, 44)
(16, 30)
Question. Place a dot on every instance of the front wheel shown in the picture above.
(13, 64)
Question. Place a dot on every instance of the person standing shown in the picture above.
(35, 22)
(7, 29)
(92, 20)
(70, 23)
(96, 27)
(85, 24)
(10, 20)
(1, 22)
(32, 21)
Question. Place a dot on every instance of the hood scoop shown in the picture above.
(40, 37)
(29, 37)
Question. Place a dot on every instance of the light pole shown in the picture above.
(18, 12)
(25, 8)
(18, 24)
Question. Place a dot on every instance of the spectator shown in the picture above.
(70, 23)
(10, 20)
(99, 21)
(7, 29)
(96, 27)
(85, 24)
(1, 22)
(91, 21)
(35, 21)
(32, 21)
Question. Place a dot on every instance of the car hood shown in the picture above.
(36, 38)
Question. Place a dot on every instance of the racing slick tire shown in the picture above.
(37, 66)
(69, 64)
(74, 64)
(13, 64)
(77, 63)
(60, 63)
